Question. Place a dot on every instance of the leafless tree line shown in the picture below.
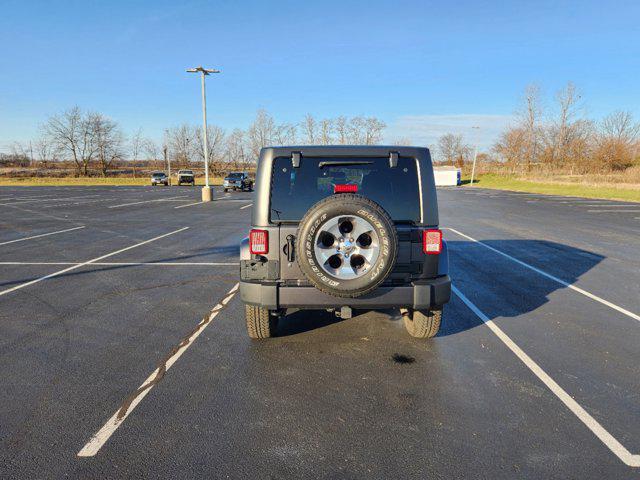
(561, 138)
(243, 146)
(90, 139)
(453, 150)
(558, 138)
(86, 138)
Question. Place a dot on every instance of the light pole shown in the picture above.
(206, 190)
(475, 155)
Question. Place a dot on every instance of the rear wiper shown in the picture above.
(341, 163)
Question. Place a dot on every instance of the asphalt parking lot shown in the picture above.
(123, 350)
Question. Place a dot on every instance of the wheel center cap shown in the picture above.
(346, 246)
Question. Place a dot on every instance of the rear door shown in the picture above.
(295, 190)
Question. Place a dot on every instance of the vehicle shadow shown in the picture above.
(301, 321)
(500, 286)
(473, 266)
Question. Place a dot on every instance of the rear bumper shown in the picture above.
(424, 295)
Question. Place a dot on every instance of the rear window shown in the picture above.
(186, 172)
(235, 175)
(294, 190)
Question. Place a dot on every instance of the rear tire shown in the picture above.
(422, 323)
(260, 322)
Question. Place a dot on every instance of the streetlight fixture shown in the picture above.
(206, 190)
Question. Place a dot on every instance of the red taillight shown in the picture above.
(345, 188)
(431, 242)
(259, 242)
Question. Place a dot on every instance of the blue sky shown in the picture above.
(423, 67)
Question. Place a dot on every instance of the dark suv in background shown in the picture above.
(237, 181)
(342, 228)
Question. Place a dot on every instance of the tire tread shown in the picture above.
(260, 322)
(423, 324)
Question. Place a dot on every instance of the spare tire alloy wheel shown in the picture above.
(347, 245)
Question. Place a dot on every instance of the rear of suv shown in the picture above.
(342, 228)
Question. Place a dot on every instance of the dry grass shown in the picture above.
(588, 188)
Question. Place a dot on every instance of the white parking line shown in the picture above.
(188, 205)
(100, 438)
(617, 205)
(93, 260)
(41, 235)
(176, 264)
(48, 200)
(591, 423)
(611, 211)
(551, 277)
(147, 201)
(246, 206)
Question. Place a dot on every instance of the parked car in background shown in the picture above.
(186, 176)
(237, 181)
(159, 178)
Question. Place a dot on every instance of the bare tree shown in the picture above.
(215, 141)
(326, 131)
(152, 150)
(310, 129)
(180, 141)
(620, 126)
(373, 130)
(401, 141)
(23, 151)
(357, 128)
(136, 144)
(617, 141)
(341, 127)
(530, 114)
(560, 132)
(511, 147)
(285, 134)
(260, 133)
(108, 139)
(72, 135)
(453, 149)
(235, 148)
(44, 150)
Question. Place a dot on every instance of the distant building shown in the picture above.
(447, 176)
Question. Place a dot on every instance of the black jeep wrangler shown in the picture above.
(342, 228)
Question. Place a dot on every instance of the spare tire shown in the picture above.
(346, 245)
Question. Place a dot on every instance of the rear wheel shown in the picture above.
(260, 322)
(422, 323)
